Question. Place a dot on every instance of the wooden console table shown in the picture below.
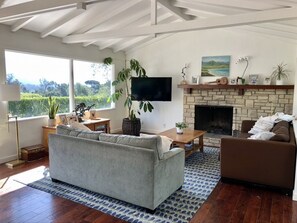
(92, 124)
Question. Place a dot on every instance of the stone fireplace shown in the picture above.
(249, 106)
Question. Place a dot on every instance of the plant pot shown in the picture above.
(131, 127)
(279, 82)
(51, 122)
(179, 130)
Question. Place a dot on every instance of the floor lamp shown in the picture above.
(11, 92)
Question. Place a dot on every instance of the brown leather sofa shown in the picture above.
(270, 162)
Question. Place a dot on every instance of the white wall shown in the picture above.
(31, 129)
(168, 56)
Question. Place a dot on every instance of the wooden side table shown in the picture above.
(92, 124)
(46, 131)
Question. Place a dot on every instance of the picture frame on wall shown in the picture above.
(253, 79)
(215, 66)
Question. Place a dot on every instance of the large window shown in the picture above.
(92, 83)
(42, 76)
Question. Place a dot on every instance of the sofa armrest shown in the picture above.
(173, 152)
(263, 162)
(246, 125)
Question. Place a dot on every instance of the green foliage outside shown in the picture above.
(39, 105)
(34, 97)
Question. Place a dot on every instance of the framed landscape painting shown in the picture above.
(215, 66)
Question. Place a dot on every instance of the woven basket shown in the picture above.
(131, 127)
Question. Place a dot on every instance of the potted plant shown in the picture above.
(180, 126)
(52, 111)
(280, 73)
(131, 125)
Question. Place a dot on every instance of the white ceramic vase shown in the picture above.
(51, 122)
(279, 82)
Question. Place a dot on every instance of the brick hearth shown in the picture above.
(250, 106)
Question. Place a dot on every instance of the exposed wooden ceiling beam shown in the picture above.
(21, 23)
(1, 2)
(177, 11)
(36, 7)
(201, 24)
(154, 14)
(108, 15)
(259, 5)
(81, 8)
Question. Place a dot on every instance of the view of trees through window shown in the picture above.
(41, 76)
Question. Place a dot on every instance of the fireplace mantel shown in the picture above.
(241, 88)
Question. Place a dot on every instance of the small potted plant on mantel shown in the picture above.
(280, 73)
(180, 126)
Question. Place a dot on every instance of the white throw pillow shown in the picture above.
(80, 126)
(166, 142)
(262, 135)
(263, 124)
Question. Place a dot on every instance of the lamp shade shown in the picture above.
(10, 92)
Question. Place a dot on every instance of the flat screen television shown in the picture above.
(151, 88)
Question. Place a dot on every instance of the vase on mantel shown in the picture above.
(279, 82)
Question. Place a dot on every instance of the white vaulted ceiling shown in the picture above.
(124, 24)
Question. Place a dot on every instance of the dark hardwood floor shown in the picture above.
(227, 203)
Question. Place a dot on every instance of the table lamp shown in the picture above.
(11, 92)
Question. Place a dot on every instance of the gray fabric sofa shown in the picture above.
(128, 168)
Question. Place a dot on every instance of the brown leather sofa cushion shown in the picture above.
(281, 131)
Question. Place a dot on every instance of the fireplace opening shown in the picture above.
(214, 119)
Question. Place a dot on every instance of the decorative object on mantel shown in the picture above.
(279, 74)
(241, 80)
(180, 126)
(220, 81)
(184, 74)
(253, 79)
(232, 81)
(195, 79)
(267, 81)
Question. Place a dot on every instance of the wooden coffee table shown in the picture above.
(187, 137)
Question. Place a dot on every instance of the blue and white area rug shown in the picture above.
(202, 173)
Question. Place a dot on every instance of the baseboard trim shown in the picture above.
(295, 195)
(7, 159)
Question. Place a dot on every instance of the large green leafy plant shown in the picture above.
(124, 77)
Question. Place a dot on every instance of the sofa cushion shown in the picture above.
(63, 130)
(79, 126)
(66, 130)
(281, 130)
(154, 142)
(262, 124)
(262, 135)
(166, 142)
(104, 137)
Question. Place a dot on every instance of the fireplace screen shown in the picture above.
(214, 119)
